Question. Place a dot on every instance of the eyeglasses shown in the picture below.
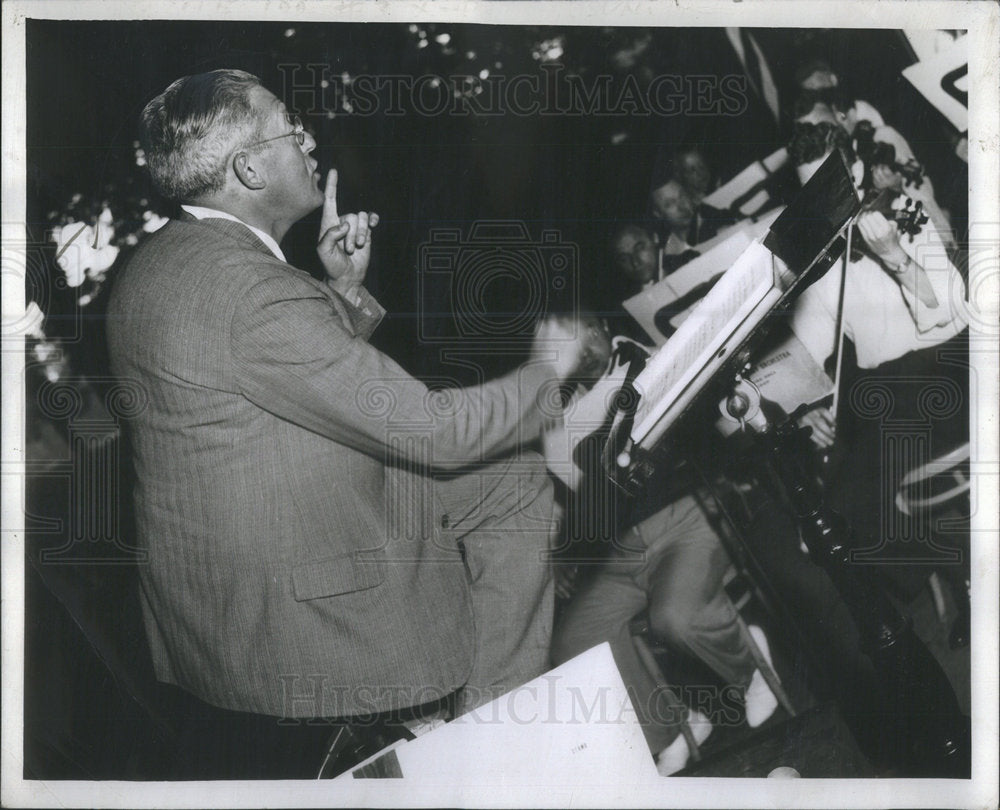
(298, 131)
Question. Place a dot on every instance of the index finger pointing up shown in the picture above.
(330, 217)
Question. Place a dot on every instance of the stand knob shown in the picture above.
(738, 405)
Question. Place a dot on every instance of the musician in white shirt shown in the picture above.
(903, 295)
(838, 108)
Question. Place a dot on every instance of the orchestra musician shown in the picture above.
(668, 559)
(892, 162)
(892, 303)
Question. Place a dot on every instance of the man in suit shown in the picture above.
(325, 536)
(755, 70)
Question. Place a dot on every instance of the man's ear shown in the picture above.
(246, 169)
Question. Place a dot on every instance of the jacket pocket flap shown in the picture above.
(337, 575)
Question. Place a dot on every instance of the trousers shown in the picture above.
(503, 517)
(673, 564)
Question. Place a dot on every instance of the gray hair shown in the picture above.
(189, 130)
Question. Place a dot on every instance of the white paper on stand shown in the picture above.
(723, 316)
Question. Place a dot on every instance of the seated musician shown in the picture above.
(669, 561)
(635, 256)
(684, 221)
(901, 294)
(692, 168)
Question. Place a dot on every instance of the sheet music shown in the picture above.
(717, 255)
(702, 335)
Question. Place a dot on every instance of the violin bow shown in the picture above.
(840, 322)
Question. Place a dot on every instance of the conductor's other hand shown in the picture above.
(559, 341)
(344, 241)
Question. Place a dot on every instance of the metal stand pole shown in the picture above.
(922, 731)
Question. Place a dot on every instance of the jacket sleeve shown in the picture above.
(295, 357)
(363, 313)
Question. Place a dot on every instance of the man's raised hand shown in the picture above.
(345, 241)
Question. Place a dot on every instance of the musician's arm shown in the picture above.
(913, 279)
(924, 293)
(930, 268)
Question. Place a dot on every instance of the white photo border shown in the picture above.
(981, 21)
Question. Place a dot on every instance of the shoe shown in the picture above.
(760, 700)
(675, 756)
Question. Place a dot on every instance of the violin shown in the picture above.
(876, 153)
(895, 206)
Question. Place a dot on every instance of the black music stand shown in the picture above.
(925, 732)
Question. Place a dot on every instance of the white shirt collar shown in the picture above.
(199, 212)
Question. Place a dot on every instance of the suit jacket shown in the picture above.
(735, 138)
(283, 483)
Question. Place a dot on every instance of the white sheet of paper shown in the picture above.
(572, 725)
(789, 376)
(753, 175)
(786, 375)
(689, 350)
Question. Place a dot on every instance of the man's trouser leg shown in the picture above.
(504, 517)
(601, 611)
(688, 606)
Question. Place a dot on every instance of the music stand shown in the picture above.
(928, 734)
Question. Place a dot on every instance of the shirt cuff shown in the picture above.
(363, 301)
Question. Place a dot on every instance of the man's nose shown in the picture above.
(309, 143)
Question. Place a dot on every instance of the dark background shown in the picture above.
(92, 709)
(88, 81)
